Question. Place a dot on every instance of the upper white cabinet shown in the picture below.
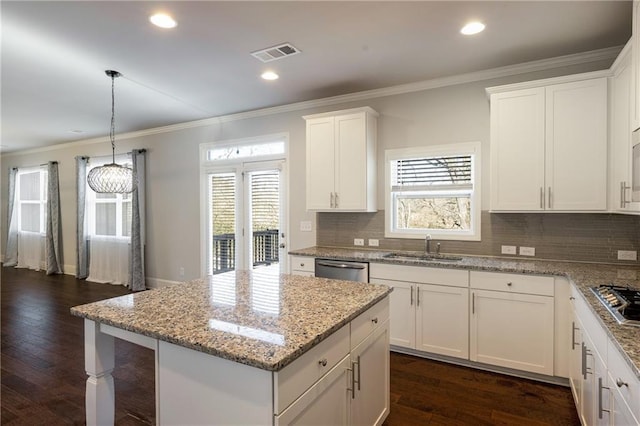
(549, 145)
(635, 77)
(341, 160)
(620, 102)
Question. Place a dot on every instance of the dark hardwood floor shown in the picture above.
(43, 375)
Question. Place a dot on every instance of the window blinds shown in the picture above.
(434, 173)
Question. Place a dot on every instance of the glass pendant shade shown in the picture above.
(111, 179)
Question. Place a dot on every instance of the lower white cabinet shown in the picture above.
(428, 307)
(605, 390)
(355, 391)
(512, 321)
(302, 265)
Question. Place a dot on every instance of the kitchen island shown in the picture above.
(247, 348)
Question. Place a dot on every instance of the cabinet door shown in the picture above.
(443, 320)
(512, 330)
(351, 162)
(517, 150)
(621, 413)
(635, 57)
(402, 312)
(620, 166)
(325, 403)
(576, 146)
(370, 398)
(320, 163)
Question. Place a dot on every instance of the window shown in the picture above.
(433, 190)
(109, 215)
(31, 190)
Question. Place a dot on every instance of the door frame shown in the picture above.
(265, 162)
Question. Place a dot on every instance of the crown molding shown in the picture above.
(609, 53)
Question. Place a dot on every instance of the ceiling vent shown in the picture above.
(275, 52)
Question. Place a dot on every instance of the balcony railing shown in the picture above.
(265, 250)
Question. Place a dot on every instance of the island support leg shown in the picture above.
(99, 361)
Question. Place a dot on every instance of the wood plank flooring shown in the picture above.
(43, 377)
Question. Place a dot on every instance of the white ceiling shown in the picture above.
(54, 55)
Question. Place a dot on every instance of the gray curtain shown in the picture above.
(54, 226)
(136, 267)
(11, 249)
(82, 239)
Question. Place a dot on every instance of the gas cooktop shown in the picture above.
(622, 302)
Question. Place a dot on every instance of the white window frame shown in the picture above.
(42, 201)
(92, 200)
(467, 148)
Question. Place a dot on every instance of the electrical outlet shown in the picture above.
(527, 251)
(358, 241)
(627, 255)
(373, 242)
(305, 226)
(508, 249)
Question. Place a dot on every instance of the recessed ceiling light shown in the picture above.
(162, 20)
(472, 28)
(270, 75)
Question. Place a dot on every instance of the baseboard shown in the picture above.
(561, 381)
(159, 283)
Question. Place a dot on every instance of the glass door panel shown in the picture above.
(222, 249)
(265, 223)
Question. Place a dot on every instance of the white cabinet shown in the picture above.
(429, 308)
(512, 321)
(341, 160)
(302, 265)
(635, 77)
(549, 146)
(620, 137)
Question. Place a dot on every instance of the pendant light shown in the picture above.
(111, 178)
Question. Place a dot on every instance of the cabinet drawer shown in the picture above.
(623, 379)
(300, 375)
(590, 323)
(420, 274)
(303, 263)
(368, 321)
(514, 283)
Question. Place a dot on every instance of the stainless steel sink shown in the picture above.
(423, 257)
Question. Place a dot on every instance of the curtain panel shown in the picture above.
(11, 248)
(82, 237)
(136, 269)
(54, 227)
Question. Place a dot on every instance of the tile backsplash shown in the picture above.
(587, 237)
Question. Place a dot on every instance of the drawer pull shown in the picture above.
(302, 264)
(509, 284)
(620, 383)
(600, 408)
(323, 362)
(374, 320)
(572, 298)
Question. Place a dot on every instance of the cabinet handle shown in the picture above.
(572, 298)
(600, 387)
(411, 303)
(302, 264)
(473, 303)
(417, 297)
(331, 196)
(374, 320)
(541, 197)
(323, 362)
(336, 198)
(358, 362)
(623, 194)
(550, 206)
(620, 383)
(573, 335)
(509, 284)
(583, 368)
(353, 381)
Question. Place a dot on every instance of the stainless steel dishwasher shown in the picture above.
(341, 270)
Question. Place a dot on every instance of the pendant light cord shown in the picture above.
(112, 132)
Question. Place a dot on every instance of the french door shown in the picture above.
(246, 223)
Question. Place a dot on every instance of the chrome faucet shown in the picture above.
(427, 244)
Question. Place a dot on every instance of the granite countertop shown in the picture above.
(262, 319)
(583, 275)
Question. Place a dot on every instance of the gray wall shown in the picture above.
(451, 114)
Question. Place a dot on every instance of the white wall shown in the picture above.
(451, 114)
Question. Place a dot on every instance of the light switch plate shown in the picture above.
(508, 249)
(627, 255)
(527, 251)
(306, 226)
(373, 242)
(358, 241)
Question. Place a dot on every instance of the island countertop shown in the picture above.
(262, 319)
(583, 275)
